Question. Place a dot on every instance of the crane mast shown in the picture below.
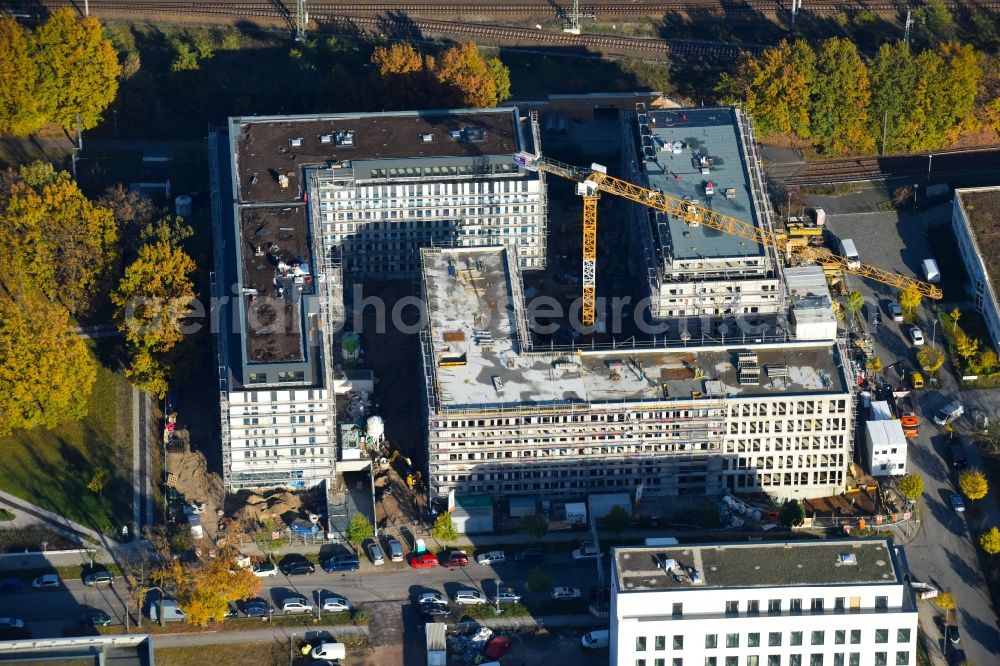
(591, 182)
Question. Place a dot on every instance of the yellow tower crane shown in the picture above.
(591, 182)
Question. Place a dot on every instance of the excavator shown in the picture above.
(591, 183)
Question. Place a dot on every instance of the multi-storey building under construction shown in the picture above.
(506, 419)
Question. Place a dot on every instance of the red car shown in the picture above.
(423, 560)
(455, 558)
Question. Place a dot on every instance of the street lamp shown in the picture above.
(933, 330)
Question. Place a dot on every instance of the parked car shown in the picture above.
(949, 413)
(8, 585)
(11, 623)
(924, 591)
(953, 636)
(46, 581)
(895, 311)
(957, 454)
(565, 593)
(395, 548)
(255, 607)
(265, 569)
(329, 651)
(599, 638)
(423, 560)
(529, 555)
(96, 618)
(430, 611)
(505, 595)
(297, 566)
(453, 558)
(586, 553)
(469, 597)
(99, 578)
(297, 604)
(335, 603)
(957, 503)
(431, 598)
(342, 563)
(916, 335)
(375, 553)
(492, 557)
(171, 612)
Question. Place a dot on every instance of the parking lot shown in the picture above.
(943, 552)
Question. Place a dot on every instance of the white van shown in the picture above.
(931, 271)
(599, 638)
(329, 651)
(849, 252)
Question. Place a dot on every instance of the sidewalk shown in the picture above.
(544, 621)
(257, 635)
(930, 633)
(55, 522)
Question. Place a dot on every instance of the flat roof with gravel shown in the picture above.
(270, 151)
(777, 564)
(982, 208)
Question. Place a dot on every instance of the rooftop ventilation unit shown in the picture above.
(847, 559)
(345, 138)
(475, 134)
(749, 370)
(427, 137)
(455, 134)
(326, 138)
(296, 142)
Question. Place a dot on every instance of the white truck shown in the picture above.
(931, 271)
(850, 252)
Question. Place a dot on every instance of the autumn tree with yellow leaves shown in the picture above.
(207, 586)
(51, 232)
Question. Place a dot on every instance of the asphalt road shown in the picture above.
(943, 552)
(47, 613)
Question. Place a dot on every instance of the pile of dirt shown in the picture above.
(277, 506)
(190, 476)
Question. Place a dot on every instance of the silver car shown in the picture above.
(375, 553)
(395, 549)
(297, 605)
(335, 603)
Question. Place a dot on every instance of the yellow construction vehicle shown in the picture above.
(591, 182)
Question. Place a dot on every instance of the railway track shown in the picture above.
(404, 27)
(265, 8)
(862, 169)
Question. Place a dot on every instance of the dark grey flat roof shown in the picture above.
(777, 564)
(269, 147)
(703, 132)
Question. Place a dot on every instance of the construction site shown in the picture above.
(747, 386)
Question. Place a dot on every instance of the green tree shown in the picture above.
(359, 529)
(500, 74)
(536, 525)
(78, 69)
(989, 541)
(973, 484)
(931, 359)
(855, 301)
(46, 371)
(98, 481)
(21, 112)
(909, 300)
(839, 102)
(444, 529)
(792, 514)
(937, 20)
(893, 74)
(911, 486)
(539, 582)
(617, 520)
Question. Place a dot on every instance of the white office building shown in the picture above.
(975, 214)
(885, 442)
(505, 418)
(825, 603)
